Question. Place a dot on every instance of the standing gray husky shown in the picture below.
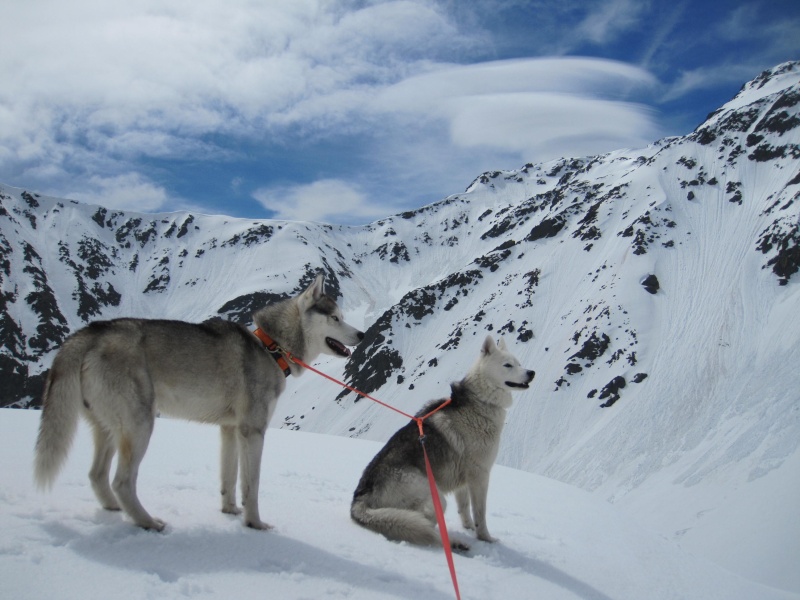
(394, 498)
(120, 373)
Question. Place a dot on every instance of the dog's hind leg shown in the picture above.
(251, 445)
(132, 446)
(101, 466)
(229, 465)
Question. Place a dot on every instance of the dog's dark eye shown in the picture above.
(508, 365)
(335, 318)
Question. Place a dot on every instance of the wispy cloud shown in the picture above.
(775, 33)
(665, 30)
(609, 19)
(755, 35)
(704, 78)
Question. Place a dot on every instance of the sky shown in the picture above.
(345, 111)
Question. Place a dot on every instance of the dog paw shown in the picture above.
(458, 546)
(232, 510)
(154, 525)
(485, 537)
(259, 525)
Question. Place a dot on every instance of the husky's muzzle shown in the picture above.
(524, 385)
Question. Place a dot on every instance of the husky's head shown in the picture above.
(324, 326)
(501, 368)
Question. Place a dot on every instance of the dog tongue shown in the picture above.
(338, 347)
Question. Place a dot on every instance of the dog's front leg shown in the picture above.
(462, 501)
(478, 491)
(229, 466)
(251, 445)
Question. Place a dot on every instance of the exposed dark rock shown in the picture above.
(184, 229)
(734, 187)
(592, 348)
(255, 235)
(784, 239)
(611, 391)
(52, 328)
(372, 374)
(95, 256)
(525, 334)
(650, 283)
(547, 228)
(395, 251)
(241, 309)
(30, 200)
(766, 152)
(493, 259)
(99, 217)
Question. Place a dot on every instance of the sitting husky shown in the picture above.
(120, 373)
(394, 498)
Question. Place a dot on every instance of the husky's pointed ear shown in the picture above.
(488, 346)
(318, 286)
(502, 344)
(314, 291)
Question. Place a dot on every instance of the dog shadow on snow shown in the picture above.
(500, 555)
(174, 555)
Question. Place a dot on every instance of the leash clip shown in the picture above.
(279, 354)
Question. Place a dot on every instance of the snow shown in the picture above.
(556, 541)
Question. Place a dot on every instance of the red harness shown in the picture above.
(275, 352)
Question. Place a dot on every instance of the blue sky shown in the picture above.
(349, 111)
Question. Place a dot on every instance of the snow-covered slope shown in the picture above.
(654, 291)
(556, 541)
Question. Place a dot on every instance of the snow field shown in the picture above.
(556, 541)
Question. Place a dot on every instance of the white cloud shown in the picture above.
(569, 75)
(130, 191)
(148, 78)
(91, 88)
(325, 200)
(545, 126)
(538, 108)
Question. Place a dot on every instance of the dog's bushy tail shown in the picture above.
(396, 524)
(60, 408)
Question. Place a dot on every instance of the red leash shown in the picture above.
(437, 503)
